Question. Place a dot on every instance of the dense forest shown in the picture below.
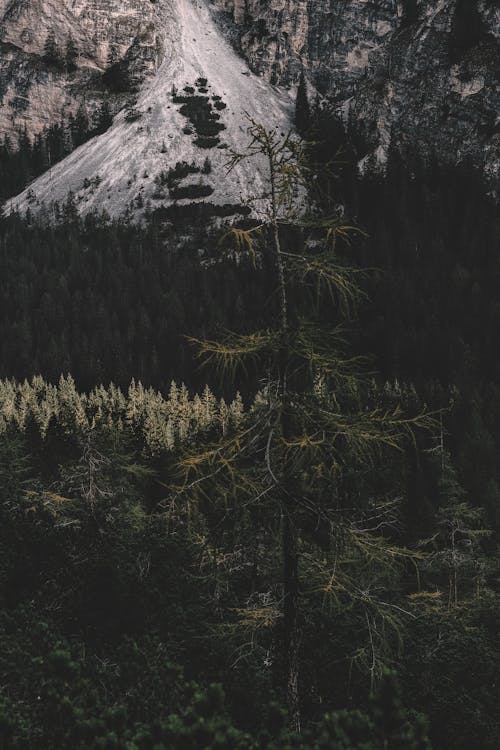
(160, 587)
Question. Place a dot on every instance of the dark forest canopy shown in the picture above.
(110, 301)
(122, 610)
(127, 604)
(134, 291)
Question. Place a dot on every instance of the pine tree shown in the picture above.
(455, 550)
(51, 52)
(302, 108)
(284, 460)
(104, 118)
(71, 55)
(80, 126)
(116, 76)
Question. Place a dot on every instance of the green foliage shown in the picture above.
(199, 109)
(114, 569)
(308, 424)
(22, 161)
(132, 115)
(206, 142)
(194, 190)
(104, 118)
(160, 423)
(116, 77)
(108, 581)
(450, 666)
(181, 170)
(455, 551)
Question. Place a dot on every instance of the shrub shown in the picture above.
(210, 128)
(181, 170)
(199, 110)
(204, 142)
(132, 115)
(179, 192)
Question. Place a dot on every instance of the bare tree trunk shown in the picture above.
(291, 624)
(290, 561)
(290, 533)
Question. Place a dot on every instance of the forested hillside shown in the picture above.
(123, 606)
(249, 492)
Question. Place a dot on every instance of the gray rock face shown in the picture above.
(33, 93)
(386, 64)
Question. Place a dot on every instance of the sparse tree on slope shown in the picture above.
(51, 52)
(302, 108)
(104, 118)
(71, 55)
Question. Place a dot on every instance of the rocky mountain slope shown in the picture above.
(35, 93)
(173, 144)
(423, 74)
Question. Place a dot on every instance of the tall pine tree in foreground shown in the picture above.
(285, 465)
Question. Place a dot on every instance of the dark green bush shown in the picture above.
(204, 142)
(180, 192)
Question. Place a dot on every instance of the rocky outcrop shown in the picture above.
(273, 36)
(35, 92)
(394, 68)
(331, 37)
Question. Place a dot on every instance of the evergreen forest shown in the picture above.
(249, 477)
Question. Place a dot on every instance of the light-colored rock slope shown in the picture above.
(118, 168)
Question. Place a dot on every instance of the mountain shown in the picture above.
(420, 74)
(413, 75)
(174, 141)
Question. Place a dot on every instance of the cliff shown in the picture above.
(36, 92)
(416, 74)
